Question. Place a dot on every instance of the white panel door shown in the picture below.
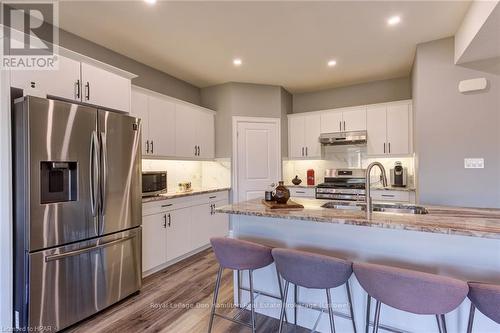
(296, 137)
(398, 129)
(139, 109)
(377, 129)
(63, 82)
(178, 233)
(312, 125)
(104, 88)
(331, 121)
(354, 119)
(185, 130)
(258, 158)
(161, 126)
(205, 134)
(154, 246)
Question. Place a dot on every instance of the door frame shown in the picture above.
(234, 164)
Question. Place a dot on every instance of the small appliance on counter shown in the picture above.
(399, 175)
(154, 183)
(343, 184)
(185, 187)
(310, 177)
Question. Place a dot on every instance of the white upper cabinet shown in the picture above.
(185, 131)
(161, 126)
(389, 129)
(80, 82)
(205, 132)
(139, 109)
(331, 121)
(354, 119)
(343, 120)
(303, 136)
(104, 88)
(64, 82)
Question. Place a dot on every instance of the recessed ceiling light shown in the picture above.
(151, 2)
(332, 63)
(237, 62)
(393, 20)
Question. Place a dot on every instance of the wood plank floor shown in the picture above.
(177, 299)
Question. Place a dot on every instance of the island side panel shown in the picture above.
(464, 257)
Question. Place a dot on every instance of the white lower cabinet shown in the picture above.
(304, 192)
(393, 196)
(176, 227)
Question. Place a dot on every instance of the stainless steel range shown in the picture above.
(343, 185)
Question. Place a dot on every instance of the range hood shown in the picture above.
(343, 138)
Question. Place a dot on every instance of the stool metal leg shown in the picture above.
(349, 299)
(295, 307)
(471, 318)
(367, 323)
(377, 316)
(214, 302)
(252, 305)
(330, 310)
(283, 306)
(280, 286)
(441, 323)
(239, 288)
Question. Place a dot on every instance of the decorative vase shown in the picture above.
(282, 194)
(296, 180)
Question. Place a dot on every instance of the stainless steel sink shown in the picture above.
(378, 207)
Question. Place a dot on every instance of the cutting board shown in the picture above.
(289, 205)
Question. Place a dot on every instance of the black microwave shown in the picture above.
(154, 183)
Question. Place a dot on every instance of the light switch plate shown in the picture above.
(474, 163)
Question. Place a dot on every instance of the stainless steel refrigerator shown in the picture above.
(77, 198)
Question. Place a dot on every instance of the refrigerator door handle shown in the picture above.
(94, 173)
(104, 180)
(86, 249)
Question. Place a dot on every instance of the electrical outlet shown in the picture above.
(474, 163)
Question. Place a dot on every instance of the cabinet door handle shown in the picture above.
(166, 205)
(195, 151)
(389, 147)
(169, 220)
(165, 221)
(388, 195)
(77, 89)
(340, 126)
(87, 91)
(147, 146)
(302, 151)
(384, 147)
(199, 151)
(300, 192)
(344, 125)
(152, 147)
(306, 152)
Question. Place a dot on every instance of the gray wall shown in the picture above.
(149, 77)
(450, 126)
(359, 94)
(244, 99)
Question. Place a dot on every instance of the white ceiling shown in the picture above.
(280, 43)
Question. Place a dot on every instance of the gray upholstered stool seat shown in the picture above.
(486, 298)
(411, 291)
(238, 255)
(315, 271)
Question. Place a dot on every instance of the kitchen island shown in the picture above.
(459, 242)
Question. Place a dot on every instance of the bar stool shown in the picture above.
(485, 297)
(410, 291)
(236, 254)
(314, 271)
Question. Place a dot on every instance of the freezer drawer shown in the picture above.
(70, 283)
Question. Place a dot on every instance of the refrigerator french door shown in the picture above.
(77, 198)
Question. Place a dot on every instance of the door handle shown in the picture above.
(87, 91)
(152, 147)
(169, 220)
(199, 150)
(340, 126)
(77, 89)
(384, 147)
(344, 125)
(94, 174)
(87, 249)
(302, 151)
(195, 151)
(147, 146)
(389, 147)
(104, 189)
(307, 152)
(165, 221)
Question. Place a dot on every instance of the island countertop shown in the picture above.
(475, 222)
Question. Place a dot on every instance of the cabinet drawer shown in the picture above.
(302, 192)
(388, 195)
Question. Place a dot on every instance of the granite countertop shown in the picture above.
(172, 195)
(475, 222)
